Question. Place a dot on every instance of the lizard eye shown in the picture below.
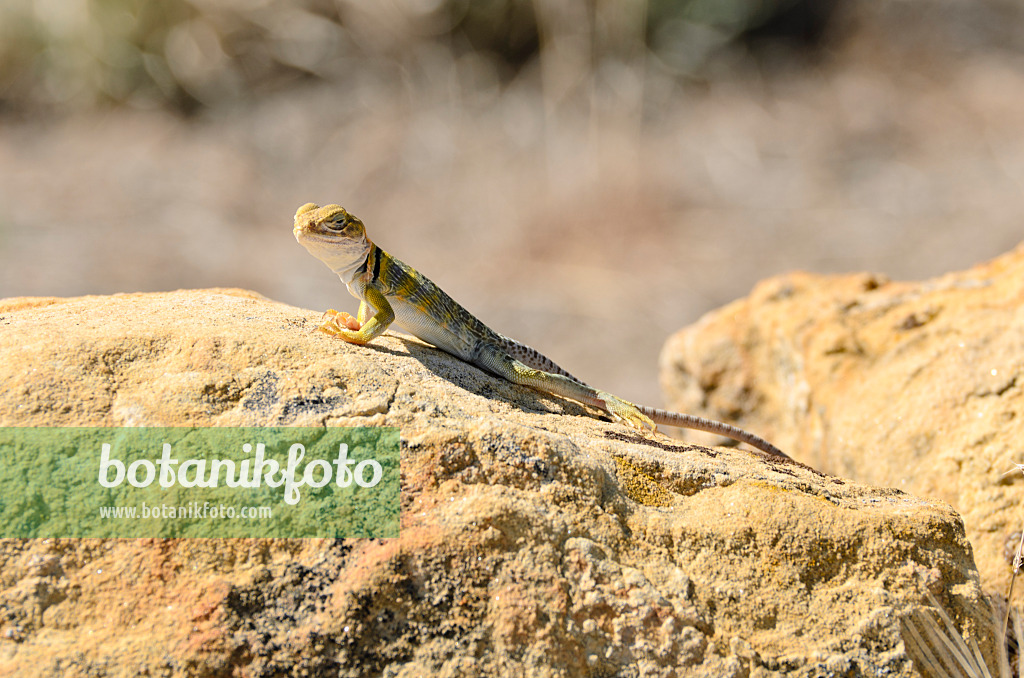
(337, 223)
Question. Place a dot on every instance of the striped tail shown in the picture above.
(711, 426)
(537, 360)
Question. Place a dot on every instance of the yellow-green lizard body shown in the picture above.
(397, 293)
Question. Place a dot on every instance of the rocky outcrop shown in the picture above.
(537, 539)
(914, 385)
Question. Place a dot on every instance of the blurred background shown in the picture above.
(585, 175)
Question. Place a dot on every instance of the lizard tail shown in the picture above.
(711, 426)
(538, 361)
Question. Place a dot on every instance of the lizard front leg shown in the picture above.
(359, 330)
(361, 313)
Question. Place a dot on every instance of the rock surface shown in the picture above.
(536, 538)
(915, 385)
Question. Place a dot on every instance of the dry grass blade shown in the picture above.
(939, 650)
(921, 633)
(1018, 641)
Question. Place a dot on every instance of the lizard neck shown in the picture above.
(350, 265)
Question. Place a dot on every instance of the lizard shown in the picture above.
(397, 293)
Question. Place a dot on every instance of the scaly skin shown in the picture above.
(390, 291)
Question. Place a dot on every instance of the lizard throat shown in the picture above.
(346, 259)
(349, 270)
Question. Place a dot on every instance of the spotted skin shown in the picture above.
(532, 357)
(390, 291)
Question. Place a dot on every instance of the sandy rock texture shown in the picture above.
(537, 539)
(914, 385)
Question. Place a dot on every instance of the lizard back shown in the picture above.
(429, 313)
(423, 309)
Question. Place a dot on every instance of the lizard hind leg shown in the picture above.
(627, 412)
(504, 365)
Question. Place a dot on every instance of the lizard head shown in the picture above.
(333, 236)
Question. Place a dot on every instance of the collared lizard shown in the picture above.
(390, 291)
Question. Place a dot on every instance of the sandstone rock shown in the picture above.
(536, 539)
(915, 385)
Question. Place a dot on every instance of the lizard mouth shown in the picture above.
(307, 229)
(307, 233)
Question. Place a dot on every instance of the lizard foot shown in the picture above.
(340, 324)
(337, 319)
(627, 412)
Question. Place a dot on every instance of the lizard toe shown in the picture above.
(628, 413)
(341, 319)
